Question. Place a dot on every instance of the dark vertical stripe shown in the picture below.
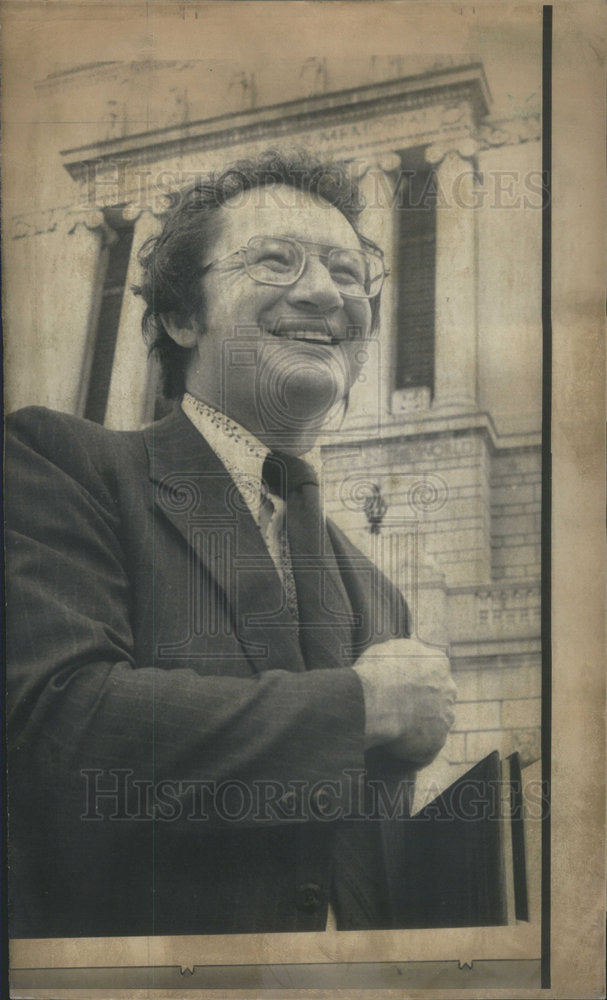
(546, 482)
(4, 956)
(107, 326)
(416, 279)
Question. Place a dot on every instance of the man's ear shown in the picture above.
(185, 334)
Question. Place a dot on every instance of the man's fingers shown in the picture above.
(409, 693)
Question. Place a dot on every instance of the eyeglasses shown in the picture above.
(270, 260)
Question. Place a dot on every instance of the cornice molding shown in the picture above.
(449, 86)
(422, 425)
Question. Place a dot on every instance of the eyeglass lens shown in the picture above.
(276, 261)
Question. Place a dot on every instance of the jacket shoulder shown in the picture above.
(50, 430)
(40, 424)
(43, 439)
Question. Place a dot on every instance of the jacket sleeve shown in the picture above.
(77, 698)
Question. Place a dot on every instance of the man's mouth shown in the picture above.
(307, 336)
(309, 332)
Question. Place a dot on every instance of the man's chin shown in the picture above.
(306, 398)
(310, 376)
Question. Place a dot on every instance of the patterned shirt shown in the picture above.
(243, 456)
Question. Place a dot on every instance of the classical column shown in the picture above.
(128, 397)
(378, 177)
(455, 360)
(53, 277)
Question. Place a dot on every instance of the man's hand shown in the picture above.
(409, 694)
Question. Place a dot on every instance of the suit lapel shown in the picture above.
(195, 492)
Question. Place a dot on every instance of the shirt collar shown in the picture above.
(240, 451)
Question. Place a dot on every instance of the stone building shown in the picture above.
(442, 440)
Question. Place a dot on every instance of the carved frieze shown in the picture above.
(495, 611)
(435, 448)
(64, 220)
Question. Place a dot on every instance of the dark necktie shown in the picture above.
(325, 635)
(324, 612)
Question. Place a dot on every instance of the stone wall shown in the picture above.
(465, 507)
(516, 495)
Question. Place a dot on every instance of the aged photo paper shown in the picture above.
(464, 457)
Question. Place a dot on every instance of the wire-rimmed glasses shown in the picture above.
(280, 260)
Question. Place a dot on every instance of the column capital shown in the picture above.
(91, 220)
(511, 132)
(388, 161)
(155, 207)
(466, 150)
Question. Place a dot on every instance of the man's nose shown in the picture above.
(315, 288)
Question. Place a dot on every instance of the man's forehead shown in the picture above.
(279, 209)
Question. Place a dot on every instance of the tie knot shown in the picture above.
(283, 474)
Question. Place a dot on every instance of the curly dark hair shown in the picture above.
(172, 261)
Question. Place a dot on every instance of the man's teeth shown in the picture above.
(305, 335)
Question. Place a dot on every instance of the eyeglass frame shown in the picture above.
(304, 244)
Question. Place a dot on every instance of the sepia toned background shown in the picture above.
(106, 115)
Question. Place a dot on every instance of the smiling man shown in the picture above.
(274, 274)
(216, 712)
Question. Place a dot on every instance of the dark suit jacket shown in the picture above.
(150, 657)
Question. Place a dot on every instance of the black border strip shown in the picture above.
(4, 949)
(546, 479)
